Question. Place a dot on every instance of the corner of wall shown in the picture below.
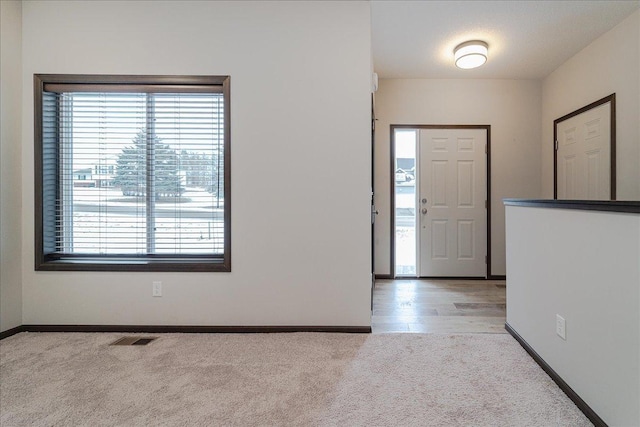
(10, 164)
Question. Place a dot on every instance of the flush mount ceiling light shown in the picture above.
(471, 54)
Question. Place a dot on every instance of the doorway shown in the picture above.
(440, 201)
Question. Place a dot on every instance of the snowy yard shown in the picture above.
(106, 222)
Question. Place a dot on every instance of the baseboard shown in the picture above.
(491, 277)
(10, 332)
(581, 404)
(159, 329)
(451, 278)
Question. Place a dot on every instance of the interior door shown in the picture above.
(584, 155)
(452, 202)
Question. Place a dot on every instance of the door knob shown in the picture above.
(424, 201)
(424, 211)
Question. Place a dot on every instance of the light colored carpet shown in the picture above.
(301, 379)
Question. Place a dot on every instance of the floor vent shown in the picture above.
(133, 341)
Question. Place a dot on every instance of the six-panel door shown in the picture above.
(451, 202)
(584, 155)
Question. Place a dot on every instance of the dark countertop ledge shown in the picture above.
(585, 205)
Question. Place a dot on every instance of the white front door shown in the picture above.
(584, 155)
(451, 210)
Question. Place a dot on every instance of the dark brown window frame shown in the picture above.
(147, 263)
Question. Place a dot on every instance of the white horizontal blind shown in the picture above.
(137, 173)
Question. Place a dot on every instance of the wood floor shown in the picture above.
(439, 306)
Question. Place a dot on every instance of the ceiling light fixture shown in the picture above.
(471, 54)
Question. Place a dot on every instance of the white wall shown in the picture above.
(610, 64)
(300, 147)
(511, 107)
(584, 266)
(10, 169)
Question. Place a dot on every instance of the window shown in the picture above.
(132, 173)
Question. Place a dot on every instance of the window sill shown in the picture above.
(135, 264)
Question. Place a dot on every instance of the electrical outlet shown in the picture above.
(157, 289)
(561, 327)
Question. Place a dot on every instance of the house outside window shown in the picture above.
(132, 173)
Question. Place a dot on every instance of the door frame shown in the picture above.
(392, 245)
(374, 212)
(612, 119)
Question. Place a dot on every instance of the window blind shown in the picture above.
(133, 173)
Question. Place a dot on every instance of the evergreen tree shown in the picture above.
(131, 168)
(201, 170)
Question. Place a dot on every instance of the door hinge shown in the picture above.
(485, 148)
(486, 204)
(486, 260)
(556, 145)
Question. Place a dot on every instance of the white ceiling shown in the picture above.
(527, 39)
